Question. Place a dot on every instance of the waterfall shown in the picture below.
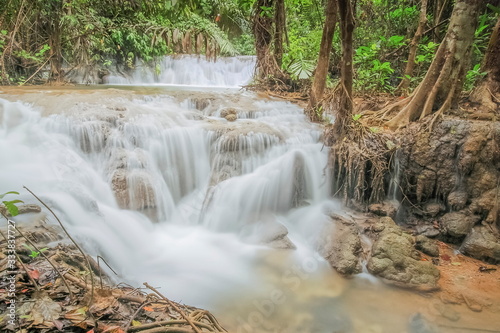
(174, 195)
(188, 70)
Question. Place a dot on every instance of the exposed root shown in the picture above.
(359, 163)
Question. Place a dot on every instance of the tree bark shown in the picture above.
(441, 86)
(55, 43)
(410, 65)
(263, 31)
(488, 91)
(344, 90)
(319, 81)
(280, 23)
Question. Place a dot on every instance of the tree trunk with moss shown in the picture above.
(487, 93)
(440, 89)
(320, 74)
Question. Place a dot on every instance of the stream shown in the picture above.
(146, 173)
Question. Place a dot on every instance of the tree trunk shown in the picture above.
(262, 29)
(441, 86)
(344, 90)
(319, 81)
(410, 65)
(55, 43)
(279, 21)
(487, 93)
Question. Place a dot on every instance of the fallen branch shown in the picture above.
(176, 308)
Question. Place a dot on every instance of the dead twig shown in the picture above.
(72, 240)
(176, 308)
(23, 265)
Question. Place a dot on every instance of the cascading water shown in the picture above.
(191, 71)
(223, 215)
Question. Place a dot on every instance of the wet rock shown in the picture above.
(458, 224)
(486, 205)
(432, 209)
(447, 312)
(133, 189)
(386, 208)
(395, 259)
(427, 230)
(482, 244)
(340, 245)
(23, 209)
(457, 200)
(419, 324)
(229, 114)
(427, 245)
(268, 232)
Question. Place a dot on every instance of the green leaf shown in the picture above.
(356, 117)
(11, 192)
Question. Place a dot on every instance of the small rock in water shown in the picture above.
(419, 324)
(229, 113)
(447, 312)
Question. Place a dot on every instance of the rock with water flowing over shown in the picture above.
(340, 245)
(395, 259)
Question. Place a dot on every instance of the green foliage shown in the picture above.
(11, 205)
(473, 76)
(34, 254)
(372, 74)
(301, 69)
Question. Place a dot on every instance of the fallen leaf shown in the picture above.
(58, 324)
(456, 263)
(35, 274)
(445, 257)
(45, 311)
(147, 308)
(113, 329)
(136, 323)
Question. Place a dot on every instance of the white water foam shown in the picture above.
(188, 70)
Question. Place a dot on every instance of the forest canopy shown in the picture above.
(393, 41)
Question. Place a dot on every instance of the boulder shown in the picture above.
(482, 244)
(395, 259)
(427, 245)
(458, 224)
(340, 245)
(432, 209)
(457, 200)
(386, 208)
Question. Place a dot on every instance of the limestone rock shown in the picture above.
(458, 224)
(482, 244)
(457, 200)
(386, 208)
(340, 245)
(229, 113)
(395, 259)
(432, 209)
(133, 189)
(427, 245)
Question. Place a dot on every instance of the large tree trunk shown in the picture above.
(410, 65)
(280, 24)
(319, 81)
(263, 32)
(441, 86)
(487, 93)
(55, 43)
(344, 90)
